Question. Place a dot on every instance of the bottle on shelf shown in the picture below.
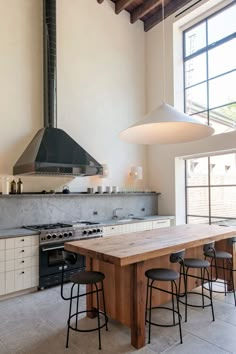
(13, 187)
(19, 186)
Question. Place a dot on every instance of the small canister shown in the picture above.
(5, 184)
(100, 189)
(108, 189)
(115, 189)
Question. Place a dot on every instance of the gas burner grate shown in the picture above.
(47, 226)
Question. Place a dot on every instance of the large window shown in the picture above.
(211, 190)
(210, 70)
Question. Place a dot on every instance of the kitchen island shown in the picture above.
(125, 258)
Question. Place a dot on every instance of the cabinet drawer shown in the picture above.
(10, 243)
(27, 262)
(2, 283)
(24, 241)
(10, 265)
(2, 256)
(160, 223)
(112, 230)
(22, 252)
(2, 267)
(2, 245)
(10, 282)
(10, 254)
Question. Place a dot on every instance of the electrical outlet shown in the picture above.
(95, 213)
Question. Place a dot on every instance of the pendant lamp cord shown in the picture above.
(163, 49)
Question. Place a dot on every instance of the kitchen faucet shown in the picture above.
(114, 213)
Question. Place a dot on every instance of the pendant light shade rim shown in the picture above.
(166, 125)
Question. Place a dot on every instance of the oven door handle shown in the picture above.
(52, 248)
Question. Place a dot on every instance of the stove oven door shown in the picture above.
(50, 264)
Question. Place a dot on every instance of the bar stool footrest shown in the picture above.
(179, 317)
(195, 293)
(87, 330)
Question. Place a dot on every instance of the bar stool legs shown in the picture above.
(162, 275)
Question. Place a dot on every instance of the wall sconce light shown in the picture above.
(136, 172)
(105, 173)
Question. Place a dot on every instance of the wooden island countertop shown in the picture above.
(125, 258)
(136, 247)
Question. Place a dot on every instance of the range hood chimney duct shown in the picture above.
(52, 151)
(50, 63)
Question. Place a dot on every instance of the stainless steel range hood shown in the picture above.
(52, 151)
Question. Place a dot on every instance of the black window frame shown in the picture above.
(206, 50)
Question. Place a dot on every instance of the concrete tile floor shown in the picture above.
(36, 323)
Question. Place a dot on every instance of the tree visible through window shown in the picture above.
(210, 70)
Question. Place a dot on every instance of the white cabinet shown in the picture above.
(19, 263)
(135, 227)
(160, 223)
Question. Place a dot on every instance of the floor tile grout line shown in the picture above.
(194, 335)
(5, 346)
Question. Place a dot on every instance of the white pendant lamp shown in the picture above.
(166, 125)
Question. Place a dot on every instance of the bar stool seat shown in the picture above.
(162, 274)
(86, 277)
(218, 254)
(196, 263)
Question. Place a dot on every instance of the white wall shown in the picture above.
(162, 158)
(101, 85)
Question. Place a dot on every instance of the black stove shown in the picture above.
(61, 232)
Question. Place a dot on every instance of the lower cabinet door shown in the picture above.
(10, 282)
(2, 283)
(19, 279)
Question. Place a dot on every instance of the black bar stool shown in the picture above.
(166, 275)
(195, 263)
(220, 260)
(83, 278)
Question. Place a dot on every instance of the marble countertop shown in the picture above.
(134, 219)
(7, 233)
(14, 232)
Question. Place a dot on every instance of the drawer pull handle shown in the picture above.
(22, 261)
(23, 251)
(22, 272)
(22, 239)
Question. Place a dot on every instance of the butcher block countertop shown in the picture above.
(136, 247)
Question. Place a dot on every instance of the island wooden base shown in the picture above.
(125, 290)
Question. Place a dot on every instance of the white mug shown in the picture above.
(100, 189)
(115, 189)
(5, 184)
(108, 189)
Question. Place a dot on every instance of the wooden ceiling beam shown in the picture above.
(121, 5)
(169, 9)
(143, 9)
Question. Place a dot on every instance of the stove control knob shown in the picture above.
(70, 234)
(54, 236)
(94, 231)
(60, 236)
(90, 232)
(65, 234)
(98, 230)
(49, 236)
(84, 232)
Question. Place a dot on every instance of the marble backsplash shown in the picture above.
(16, 211)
